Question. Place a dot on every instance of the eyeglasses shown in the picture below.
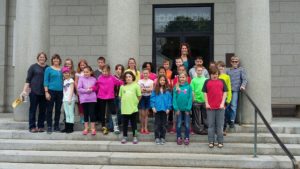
(235, 61)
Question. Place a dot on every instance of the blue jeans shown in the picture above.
(187, 119)
(215, 125)
(35, 101)
(56, 98)
(233, 106)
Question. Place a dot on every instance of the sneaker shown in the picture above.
(224, 133)
(162, 141)
(203, 132)
(220, 145)
(231, 124)
(179, 141)
(142, 131)
(211, 145)
(186, 141)
(41, 130)
(85, 131)
(157, 141)
(33, 130)
(146, 132)
(135, 140)
(116, 130)
(192, 132)
(124, 140)
(93, 132)
(49, 130)
(56, 129)
(173, 131)
(105, 130)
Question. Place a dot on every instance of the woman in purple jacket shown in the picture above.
(88, 99)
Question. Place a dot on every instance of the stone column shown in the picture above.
(122, 31)
(253, 48)
(32, 37)
(3, 52)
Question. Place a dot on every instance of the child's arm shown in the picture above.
(229, 93)
(175, 106)
(117, 82)
(190, 101)
(244, 79)
(169, 97)
(206, 101)
(152, 101)
(222, 106)
(71, 93)
(81, 88)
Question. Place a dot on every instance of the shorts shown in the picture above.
(144, 102)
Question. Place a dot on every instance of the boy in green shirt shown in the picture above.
(199, 111)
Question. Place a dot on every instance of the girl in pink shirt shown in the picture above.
(105, 94)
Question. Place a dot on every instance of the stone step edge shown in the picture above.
(146, 159)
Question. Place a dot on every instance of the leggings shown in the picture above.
(69, 111)
(89, 112)
(101, 105)
(132, 118)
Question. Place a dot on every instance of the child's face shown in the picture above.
(101, 63)
(146, 74)
(182, 78)
(199, 71)
(67, 75)
(162, 81)
(178, 62)
(198, 62)
(221, 68)
(131, 64)
(181, 69)
(235, 63)
(128, 78)
(68, 64)
(105, 72)
(87, 72)
(161, 72)
(82, 65)
(148, 66)
(166, 65)
(214, 76)
(119, 70)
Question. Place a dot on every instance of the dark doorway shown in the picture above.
(174, 24)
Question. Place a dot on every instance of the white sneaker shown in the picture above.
(162, 141)
(157, 141)
(116, 130)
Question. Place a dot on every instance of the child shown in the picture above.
(101, 64)
(181, 69)
(166, 65)
(198, 62)
(68, 100)
(162, 72)
(119, 71)
(146, 85)
(132, 67)
(69, 63)
(161, 104)
(199, 112)
(178, 62)
(81, 65)
(88, 99)
(226, 78)
(105, 94)
(182, 104)
(238, 82)
(130, 94)
(215, 92)
(148, 65)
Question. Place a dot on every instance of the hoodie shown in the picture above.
(182, 98)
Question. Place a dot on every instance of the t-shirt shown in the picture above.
(129, 98)
(146, 85)
(214, 90)
(35, 78)
(67, 90)
(197, 85)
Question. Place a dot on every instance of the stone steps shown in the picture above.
(69, 166)
(230, 138)
(148, 147)
(145, 159)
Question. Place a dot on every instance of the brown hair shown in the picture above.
(55, 56)
(166, 60)
(72, 63)
(107, 67)
(158, 86)
(160, 68)
(134, 66)
(188, 49)
(220, 63)
(78, 66)
(90, 69)
(101, 58)
(213, 70)
(177, 84)
(41, 53)
(130, 73)
(199, 57)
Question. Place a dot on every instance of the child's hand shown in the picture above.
(207, 106)
(222, 106)
(242, 88)
(69, 102)
(154, 110)
(177, 113)
(167, 112)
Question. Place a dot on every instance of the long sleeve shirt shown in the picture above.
(237, 77)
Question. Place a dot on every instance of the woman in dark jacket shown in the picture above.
(185, 55)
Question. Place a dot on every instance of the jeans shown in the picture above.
(132, 119)
(56, 98)
(35, 101)
(215, 122)
(187, 119)
(160, 124)
(69, 111)
(233, 106)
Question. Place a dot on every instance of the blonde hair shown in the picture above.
(177, 84)
(235, 57)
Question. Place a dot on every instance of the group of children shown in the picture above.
(196, 96)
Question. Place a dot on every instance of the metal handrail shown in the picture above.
(257, 111)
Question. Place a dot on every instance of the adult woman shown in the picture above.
(185, 55)
(53, 85)
(34, 88)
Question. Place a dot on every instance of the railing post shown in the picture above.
(255, 134)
